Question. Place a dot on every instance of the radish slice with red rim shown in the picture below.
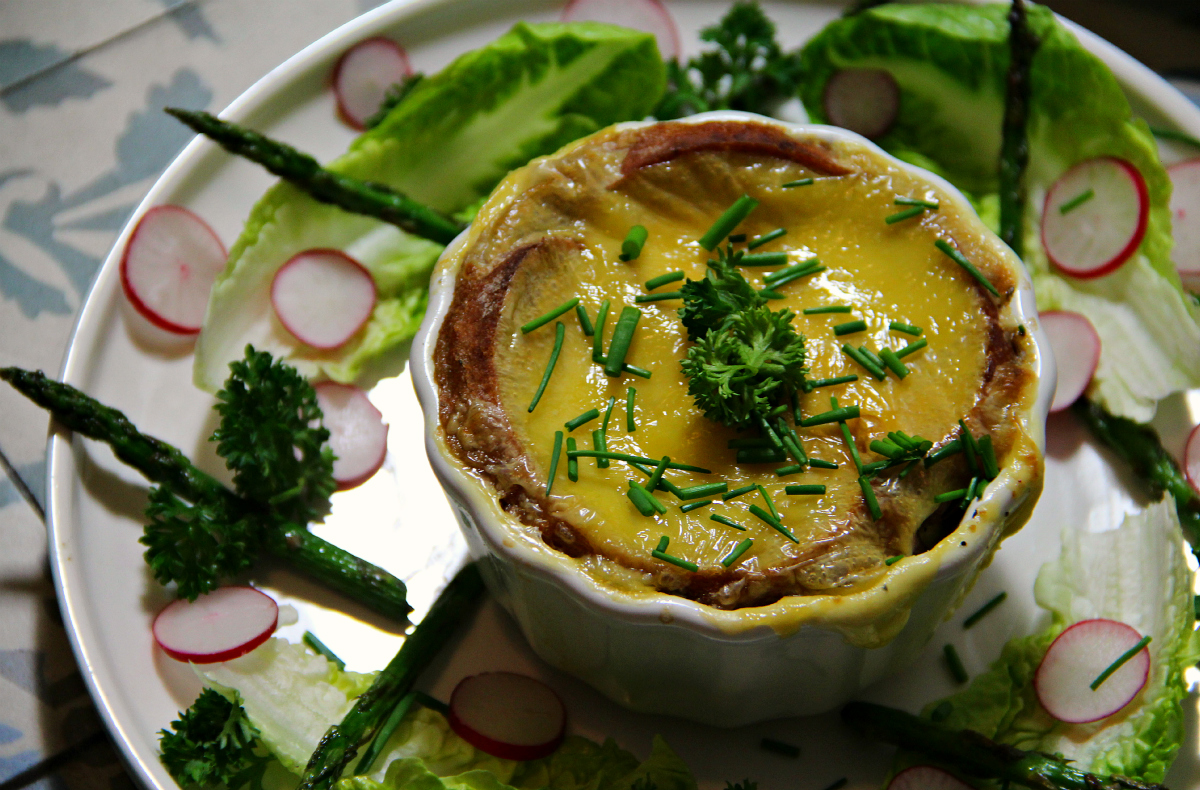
(507, 715)
(363, 75)
(169, 266)
(323, 297)
(865, 101)
(1095, 217)
(1076, 658)
(357, 434)
(648, 15)
(219, 626)
(926, 777)
(1191, 458)
(1076, 346)
(1185, 221)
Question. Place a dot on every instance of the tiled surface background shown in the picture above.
(81, 141)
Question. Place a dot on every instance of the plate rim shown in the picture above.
(1135, 78)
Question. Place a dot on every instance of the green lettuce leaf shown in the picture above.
(950, 62)
(446, 144)
(1136, 574)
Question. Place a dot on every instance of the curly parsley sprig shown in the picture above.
(213, 745)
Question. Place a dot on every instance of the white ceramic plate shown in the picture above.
(400, 519)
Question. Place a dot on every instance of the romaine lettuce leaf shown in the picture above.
(1137, 574)
(951, 63)
(451, 139)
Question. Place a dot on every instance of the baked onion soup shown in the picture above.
(933, 424)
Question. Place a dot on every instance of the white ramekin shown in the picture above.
(658, 653)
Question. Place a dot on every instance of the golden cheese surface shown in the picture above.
(883, 272)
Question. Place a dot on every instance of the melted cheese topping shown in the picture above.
(883, 272)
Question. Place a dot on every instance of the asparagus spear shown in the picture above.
(976, 755)
(1014, 145)
(1139, 446)
(342, 741)
(161, 463)
(351, 194)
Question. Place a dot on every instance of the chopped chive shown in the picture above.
(817, 463)
(637, 459)
(765, 516)
(572, 462)
(635, 239)
(769, 432)
(560, 331)
(908, 329)
(622, 336)
(972, 490)
(685, 564)
(890, 449)
(585, 323)
(586, 417)
(630, 422)
(900, 216)
(766, 238)
(663, 542)
(1076, 201)
(779, 747)
(666, 485)
(912, 347)
(970, 447)
(990, 467)
(659, 297)
(558, 443)
(737, 492)
(903, 201)
(319, 647)
(550, 316)
(983, 611)
(791, 443)
(770, 504)
(690, 506)
(941, 712)
(768, 293)
(598, 338)
(656, 476)
(869, 496)
(955, 664)
(612, 400)
(873, 467)
(643, 499)
(893, 363)
(778, 410)
(1114, 666)
(950, 448)
(803, 268)
(760, 455)
(833, 308)
(961, 260)
(748, 441)
(805, 490)
(797, 415)
(627, 368)
(737, 238)
(801, 182)
(737, 552)
(795, 273)
(865, 361)
(890, 561)
(950, 496)
(838, 785)
(725, 224)
(849, 328)
(784, 471)
(600, 445)
(663, 279)
(702, 490)
(854, 456)
(717, 517)
(872, 356)
(833, 415)
(764, 259)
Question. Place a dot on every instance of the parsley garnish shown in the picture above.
(212, 744)
(747, 70)
(723, 292)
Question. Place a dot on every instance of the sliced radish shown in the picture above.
(862, 100)
(1191, 458)
(357, 434)
(363, 75)
(926, 777)
(323, 297)
(648, 15)
(220, 626)
(1076, 658)
(169, 266)
(1093, 237)
(1076, 346)
(1185, 221)
(508, 715)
